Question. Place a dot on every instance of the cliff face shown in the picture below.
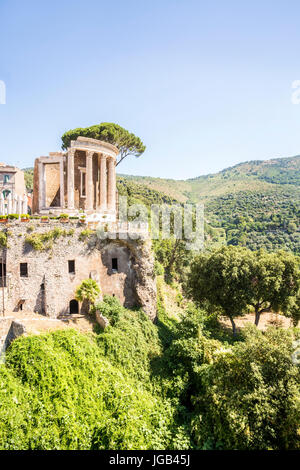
(144, 279)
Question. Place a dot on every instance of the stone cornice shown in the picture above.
(98, 146)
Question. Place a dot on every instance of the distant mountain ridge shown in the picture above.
(251, 175)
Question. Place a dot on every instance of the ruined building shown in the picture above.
(44, 280)
(83, 178)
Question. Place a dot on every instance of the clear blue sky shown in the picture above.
(205, 84)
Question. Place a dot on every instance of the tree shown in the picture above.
(221, 278)
(274, 281)
(173, 255)
(127, 143)
(250, 397)
(89, 291)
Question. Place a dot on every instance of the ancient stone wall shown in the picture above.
(49, 286)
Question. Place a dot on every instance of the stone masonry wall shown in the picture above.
(50, 287)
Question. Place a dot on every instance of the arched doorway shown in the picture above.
(73, 307)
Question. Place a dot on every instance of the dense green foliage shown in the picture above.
(267, 219)
(249, 395)
(65, 390)
(127, 143)
(231, 279)
(174, 385)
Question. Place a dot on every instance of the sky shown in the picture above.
(204, 84)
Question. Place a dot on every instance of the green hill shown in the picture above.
(249, 176)
(255, 204)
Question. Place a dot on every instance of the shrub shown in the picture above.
(110, 308)
(85, 234)
(88, 290)
(3, 239)
(44, 241)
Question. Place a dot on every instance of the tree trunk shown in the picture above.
(233, 326)
(259, 312)
(257, 317)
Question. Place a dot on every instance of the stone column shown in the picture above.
(9, 204)
(71, 184)
(25, 205)
(103, 183)
(19, 205)
(14, 204)
(111, 190)
(42, 189)
(62, 188)
(89, 180)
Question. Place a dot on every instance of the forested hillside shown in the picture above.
(253, 204)
(249, 176)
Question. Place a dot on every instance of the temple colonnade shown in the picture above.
(106, 194)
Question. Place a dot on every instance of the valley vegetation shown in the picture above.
(180, 384)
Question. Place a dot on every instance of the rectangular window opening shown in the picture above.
(114, 264)
(71, 264)
(23, 270)
(2, 274)
(83, 184)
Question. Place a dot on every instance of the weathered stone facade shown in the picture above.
(47, 280)
(83, 178)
